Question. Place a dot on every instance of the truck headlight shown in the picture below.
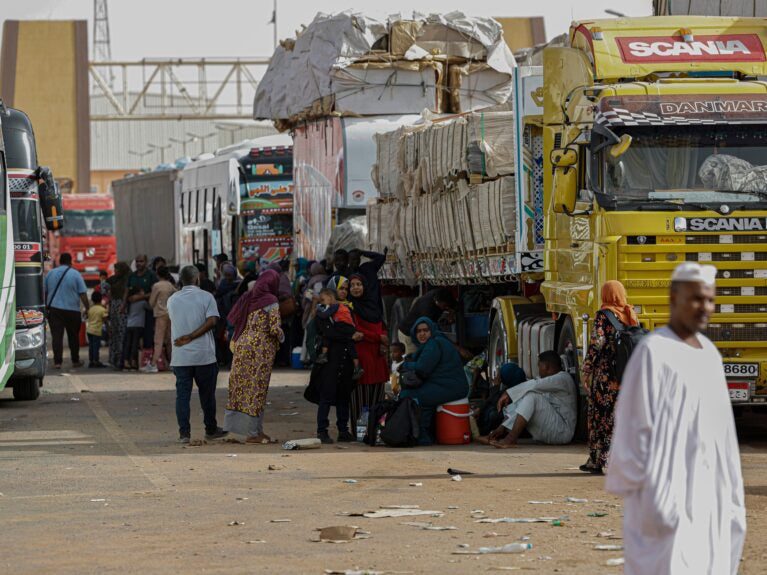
(30, 338)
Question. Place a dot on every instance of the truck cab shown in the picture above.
(655, 138)
(89, 235)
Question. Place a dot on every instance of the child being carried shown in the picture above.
(330, 308)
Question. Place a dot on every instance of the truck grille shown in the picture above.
(715, 239)
(737, 332)
(743, 308)
(730, 257)
(736, 291)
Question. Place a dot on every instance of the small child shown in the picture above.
(97, 313)
(397, 353)
(135, 327)
(329, 307)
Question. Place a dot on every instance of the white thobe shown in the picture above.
(548, 405)
(675, 460)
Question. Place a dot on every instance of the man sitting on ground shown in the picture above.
(546, 407)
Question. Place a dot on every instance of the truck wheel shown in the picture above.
(497, 352)
(27, 389)
(567, 348)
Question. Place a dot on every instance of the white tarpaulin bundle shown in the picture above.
(447, 235)
(349, 64)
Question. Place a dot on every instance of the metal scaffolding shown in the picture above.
(177, 89)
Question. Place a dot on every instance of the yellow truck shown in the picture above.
(654, 136)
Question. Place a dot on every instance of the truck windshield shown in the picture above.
(697, 164)
(26, 222)
(88, 223)
(264, 226)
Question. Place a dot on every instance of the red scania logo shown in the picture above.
(724, 48)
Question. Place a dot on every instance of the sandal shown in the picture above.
(258, 440)
(589, 467)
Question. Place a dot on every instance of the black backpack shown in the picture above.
(627, 338)
(401, 423)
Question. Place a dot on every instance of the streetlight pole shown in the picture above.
(274, 22)
(162, 150)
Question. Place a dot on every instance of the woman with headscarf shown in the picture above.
(310, 298)
(331, 382)
(600, 382)
(370, 338)
(257, 335)
(440, 370)
(118, 322)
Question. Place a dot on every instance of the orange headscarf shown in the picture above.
(614, 298)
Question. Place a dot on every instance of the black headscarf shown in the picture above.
(366, 307)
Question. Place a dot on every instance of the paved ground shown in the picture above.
(92, 481)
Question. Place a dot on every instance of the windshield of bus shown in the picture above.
(26, 221)
(88, 223)
(711, 164)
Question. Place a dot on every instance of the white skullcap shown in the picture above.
(694, 272)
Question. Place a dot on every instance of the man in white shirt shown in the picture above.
(193, 315)
(546, 406)
(674, 456)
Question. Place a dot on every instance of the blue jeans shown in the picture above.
(94, 347)
(205, 377)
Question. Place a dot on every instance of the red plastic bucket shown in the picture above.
(453, 423)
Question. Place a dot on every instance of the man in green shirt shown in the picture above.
(144, 278)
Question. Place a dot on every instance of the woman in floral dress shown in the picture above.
(118, 319)
(600, 381)
(257, 336)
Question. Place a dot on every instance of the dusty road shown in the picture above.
(92, 481)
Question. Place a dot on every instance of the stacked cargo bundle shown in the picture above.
(347, 64)
(448, 206)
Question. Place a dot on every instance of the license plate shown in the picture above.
(738, 391)
(741, 369)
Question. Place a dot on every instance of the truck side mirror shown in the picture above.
(50, 199)
(565, 189)
(565, 179)
(564, 157)
(620, 148)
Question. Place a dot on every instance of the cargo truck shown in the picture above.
(637, 147)
(89, 235)
(35, 207)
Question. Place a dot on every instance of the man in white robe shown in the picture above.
(546, 407)
(674, 456)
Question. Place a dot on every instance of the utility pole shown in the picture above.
(273, 21)
(102, 45)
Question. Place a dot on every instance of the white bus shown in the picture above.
(238, 202)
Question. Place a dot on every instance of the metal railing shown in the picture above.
(176, 89)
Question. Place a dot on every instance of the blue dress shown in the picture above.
(439, 365)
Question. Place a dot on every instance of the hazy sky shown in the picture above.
(217, 28)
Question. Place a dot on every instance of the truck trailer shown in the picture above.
(637, 147)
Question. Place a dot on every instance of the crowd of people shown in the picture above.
(660, 426)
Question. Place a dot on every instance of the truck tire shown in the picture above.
(497, 352)
(27, 389)
(567, 345)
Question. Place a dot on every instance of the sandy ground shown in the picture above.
(92, 481)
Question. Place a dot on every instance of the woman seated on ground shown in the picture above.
(438, 365)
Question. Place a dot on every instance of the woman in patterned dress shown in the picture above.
(118, 322)
(257, 336)
(601, 383)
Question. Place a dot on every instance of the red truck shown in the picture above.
(89, 235)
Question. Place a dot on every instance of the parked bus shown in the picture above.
(89, 235)
(7, 277)
(238, 202)
(35, 199)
